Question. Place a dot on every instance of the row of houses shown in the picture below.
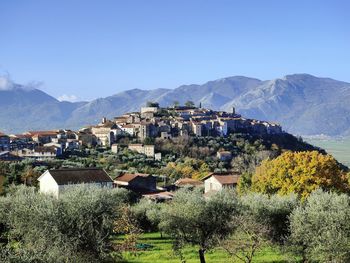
(172, 122)
(150, 122)
(39, 144)
(55, 182)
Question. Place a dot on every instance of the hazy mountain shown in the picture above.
(112, 106)
(24, 108)
(302, 103)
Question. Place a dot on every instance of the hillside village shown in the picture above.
(151, 122)
(141, 129)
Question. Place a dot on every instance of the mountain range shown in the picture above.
(303, 104)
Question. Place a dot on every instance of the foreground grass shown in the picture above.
(162, 252)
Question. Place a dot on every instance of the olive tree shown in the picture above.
(248, 238)
(73, 228)
(192, 219)
(272, 211)
(145, 212)
(321, 227)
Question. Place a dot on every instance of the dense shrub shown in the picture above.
(74, 228)
(321, 227)
(145, 213)
(272, 211)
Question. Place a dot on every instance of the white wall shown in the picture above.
(48, 185)
(211, 184)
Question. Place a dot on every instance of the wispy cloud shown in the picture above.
(70, 98)
(6, 83)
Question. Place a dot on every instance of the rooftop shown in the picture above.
(42, 133)
(225, 178)
(79, 176)
(129, 177)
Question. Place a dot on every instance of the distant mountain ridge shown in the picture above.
(302, 103)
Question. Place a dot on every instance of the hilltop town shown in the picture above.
(151, 122)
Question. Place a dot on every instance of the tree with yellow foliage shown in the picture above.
(300, 173)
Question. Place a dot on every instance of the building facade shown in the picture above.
(55, 182)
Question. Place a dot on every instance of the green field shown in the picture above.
(339, 148)
(162, 252)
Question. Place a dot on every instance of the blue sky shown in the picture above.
(97, 48)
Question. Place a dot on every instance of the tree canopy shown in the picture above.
(300, 173)
(192, 219)
(321, 227)
(74, 228)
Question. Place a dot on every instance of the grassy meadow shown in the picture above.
(162, 252)
(339, 148)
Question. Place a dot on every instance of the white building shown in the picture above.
(216, 182)
(115, 148)
(131, 129)
(149, 109)
(140, 148)
(40, 152)
(55, 182)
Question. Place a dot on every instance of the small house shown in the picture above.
(139, 183)
(218, 181)
(56, 182)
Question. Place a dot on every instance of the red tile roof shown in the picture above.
(42, 133)
(225, 178)
(129, 177)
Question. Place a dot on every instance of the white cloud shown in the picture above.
(70, 98)
(6, 83)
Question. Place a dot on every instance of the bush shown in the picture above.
(144, 213)
(271, 211)
(321, 227)
(74, 228)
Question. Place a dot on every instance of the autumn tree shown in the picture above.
(127, 224)
(30, 176)
(300, 173)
